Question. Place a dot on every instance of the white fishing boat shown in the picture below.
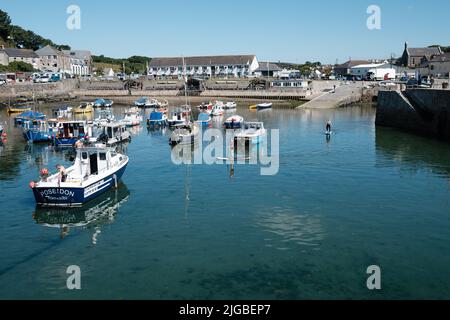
(218, 110)
(178, 117)
(185, 135)
(95, 171)
(132, 118)
(234, 122)
(145, 102)
(252, 132)
(112, 134)
(63, 112)
(105, 116)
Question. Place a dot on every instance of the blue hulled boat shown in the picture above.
(157, 119)
(234, 122)
(103, 103)
(95, 171)
(38, 131)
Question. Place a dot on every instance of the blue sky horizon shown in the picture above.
(286, 30)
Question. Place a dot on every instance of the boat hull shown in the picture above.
(65, 142)
(73, 197)
(38, 136)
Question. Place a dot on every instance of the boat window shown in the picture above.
(84, 155)
(102, 156)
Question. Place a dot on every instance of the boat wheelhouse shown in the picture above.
(185, 135)
(94, 171)
(178, 117)
(72, 131)
(218, 110)
(63, 112)
(112, 134)
(35, 131)
(252, 132)
(206, 107)
(105, 116)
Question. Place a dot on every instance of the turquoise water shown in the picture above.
(368, 196)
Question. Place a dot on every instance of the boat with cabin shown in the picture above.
(185, 135)
(105, 116)
(103, 103)
(145, 102)
(178, 117)
(112, 133)
(157, 119)
(234, 122)
(70, 132)
(206, 107)
(218, 110)
(84, 108)
(251, 132)
(132, 117)
(36, 131)
(63, 112)
(95, 171)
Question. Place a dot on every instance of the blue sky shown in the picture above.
(276, 30)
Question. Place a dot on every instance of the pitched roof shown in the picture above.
(424, 52)
(441, 58)
(19, 53)
(202, 61)
(47, 51)
(272, 67)
(351, 64)
(78, 54)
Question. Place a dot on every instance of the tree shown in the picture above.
(5, 24)
(17, 66)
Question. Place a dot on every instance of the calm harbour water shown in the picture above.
(369, 196)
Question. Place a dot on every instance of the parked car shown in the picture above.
(387, 84)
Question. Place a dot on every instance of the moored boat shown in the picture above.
(18, 109)
(157, 119)
(72, 131)
(230, 106)
(36, 131)
(204, 119)
(217, 110)
(63, 112)
(105, 116)
(234, 122)
(112, 134)
(84, 108)
(252, 132)
(28, 115)
(185, 135)
(95, 171)
(178, 117)
(264, 106)
(132, 118)
(103, 103)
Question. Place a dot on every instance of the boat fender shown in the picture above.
(115, 181)
(32, 184)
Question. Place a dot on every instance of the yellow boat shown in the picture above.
(84, 108)
(253, 107)
(18, 109)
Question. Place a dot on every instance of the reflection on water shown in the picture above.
(291, 227)
(411, 152)
(94, 214)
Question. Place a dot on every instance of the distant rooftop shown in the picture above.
(19, 53)
(424, 52)
(268, 66)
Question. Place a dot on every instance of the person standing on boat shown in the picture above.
(328, 128)
(62, 173)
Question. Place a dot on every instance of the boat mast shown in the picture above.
(185, 80)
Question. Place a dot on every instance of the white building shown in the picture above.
(204, 67)
(80, 61)
(378, 70)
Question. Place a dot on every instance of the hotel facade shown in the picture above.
(203, 67)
